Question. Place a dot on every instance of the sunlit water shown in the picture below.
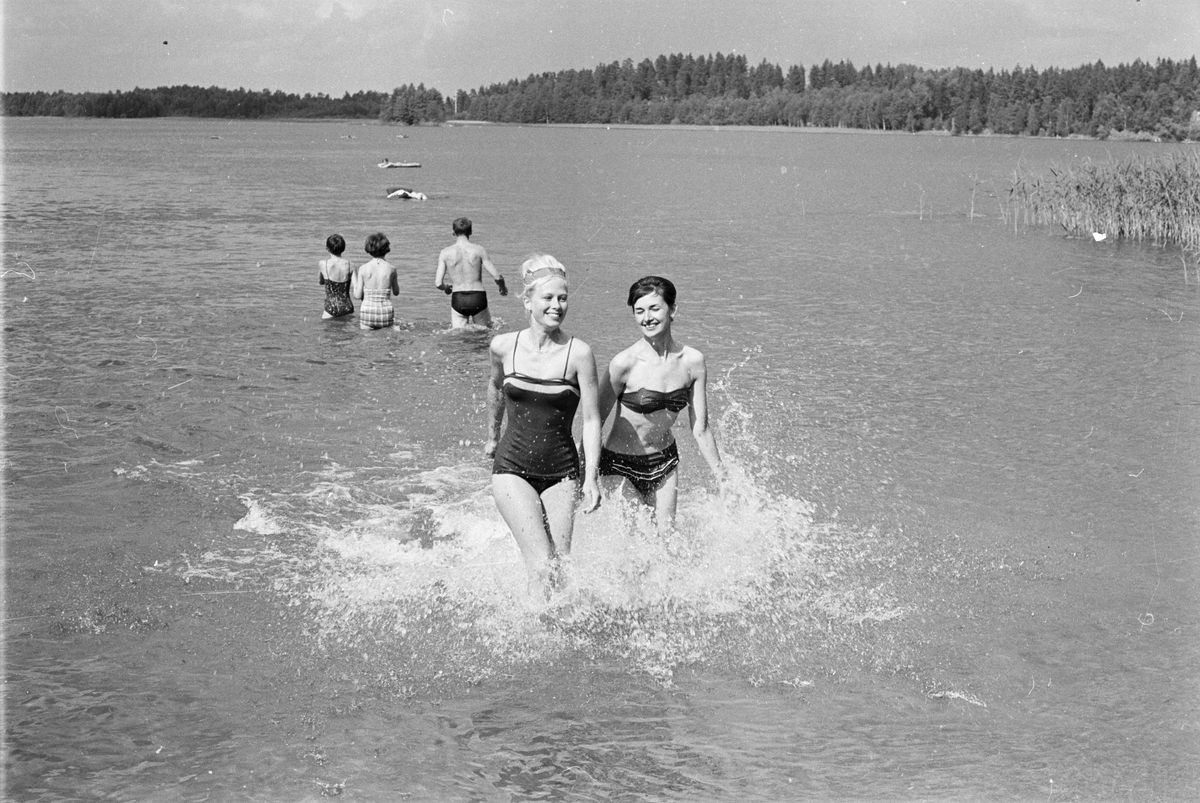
(252, 554)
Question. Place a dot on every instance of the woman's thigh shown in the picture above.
(560, 502)
(666, 496)
(521, 508)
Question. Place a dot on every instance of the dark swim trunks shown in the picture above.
(468, 302)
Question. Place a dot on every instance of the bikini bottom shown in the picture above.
(645, 472)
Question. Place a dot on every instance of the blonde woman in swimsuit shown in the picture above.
(540, 377)
(650, 384)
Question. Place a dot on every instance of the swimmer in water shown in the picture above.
(375, 283)
(335, 273)
(540, 376)
(460, 273)
(649, 384)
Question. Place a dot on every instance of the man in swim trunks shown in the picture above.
(460, 273)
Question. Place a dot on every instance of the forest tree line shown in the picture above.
(191, 101)
(1160, 100)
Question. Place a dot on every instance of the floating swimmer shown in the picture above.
(406, 194)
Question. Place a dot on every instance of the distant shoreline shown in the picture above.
(363, 122)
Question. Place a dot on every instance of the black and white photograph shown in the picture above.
(670, 401)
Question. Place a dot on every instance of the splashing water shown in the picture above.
(411, 577)
(748, 583)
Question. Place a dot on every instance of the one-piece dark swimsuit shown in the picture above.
(536, 444)
(646, 472)
(468, 302)
(337, 297)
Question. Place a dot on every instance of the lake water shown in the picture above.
(252, 555)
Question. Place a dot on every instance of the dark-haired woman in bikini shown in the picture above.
(540, 377)
(650, 384)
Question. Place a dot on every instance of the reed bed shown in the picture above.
(1146, 199)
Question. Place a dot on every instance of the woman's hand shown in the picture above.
(489, 448)
(591, 495)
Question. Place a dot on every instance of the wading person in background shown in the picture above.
(460, 273)
(650, 384)
(335, 274)
(375, 283)
(540, 376)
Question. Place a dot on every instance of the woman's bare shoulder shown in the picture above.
(630, 353)
(692, 359)
(624, 360)
(503, 342)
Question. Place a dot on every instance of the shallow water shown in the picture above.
(251, 554)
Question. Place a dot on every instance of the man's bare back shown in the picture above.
(461, 265)
(460, 273)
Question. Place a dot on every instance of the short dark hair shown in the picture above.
(377, 245)
(652, 284)
(462, 225)
(335, 245)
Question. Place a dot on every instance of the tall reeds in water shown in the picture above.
(1147, 199)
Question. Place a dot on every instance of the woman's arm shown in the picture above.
(321, 272)
(698, 418)
(585, 373)
(495, 390)
(612, 385)
(395, 282)
(356, 283)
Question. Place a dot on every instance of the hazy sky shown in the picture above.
(336, 46)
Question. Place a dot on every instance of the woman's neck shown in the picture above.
(662, 344)
(541, 338)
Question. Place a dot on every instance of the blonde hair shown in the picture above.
(539, 267)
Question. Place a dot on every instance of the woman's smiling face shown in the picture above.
(652, 314)
(547, 302)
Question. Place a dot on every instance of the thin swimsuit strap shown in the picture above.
(515, 374)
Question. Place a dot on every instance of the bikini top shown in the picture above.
(650, 401)
(562, 381)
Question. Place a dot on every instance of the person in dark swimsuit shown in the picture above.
(649, 384)
(537, 445)
(335, 273)
(540, 378)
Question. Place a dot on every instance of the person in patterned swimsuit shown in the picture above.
(375, 283)
(335, 274)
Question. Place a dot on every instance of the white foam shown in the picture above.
(257, 519)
